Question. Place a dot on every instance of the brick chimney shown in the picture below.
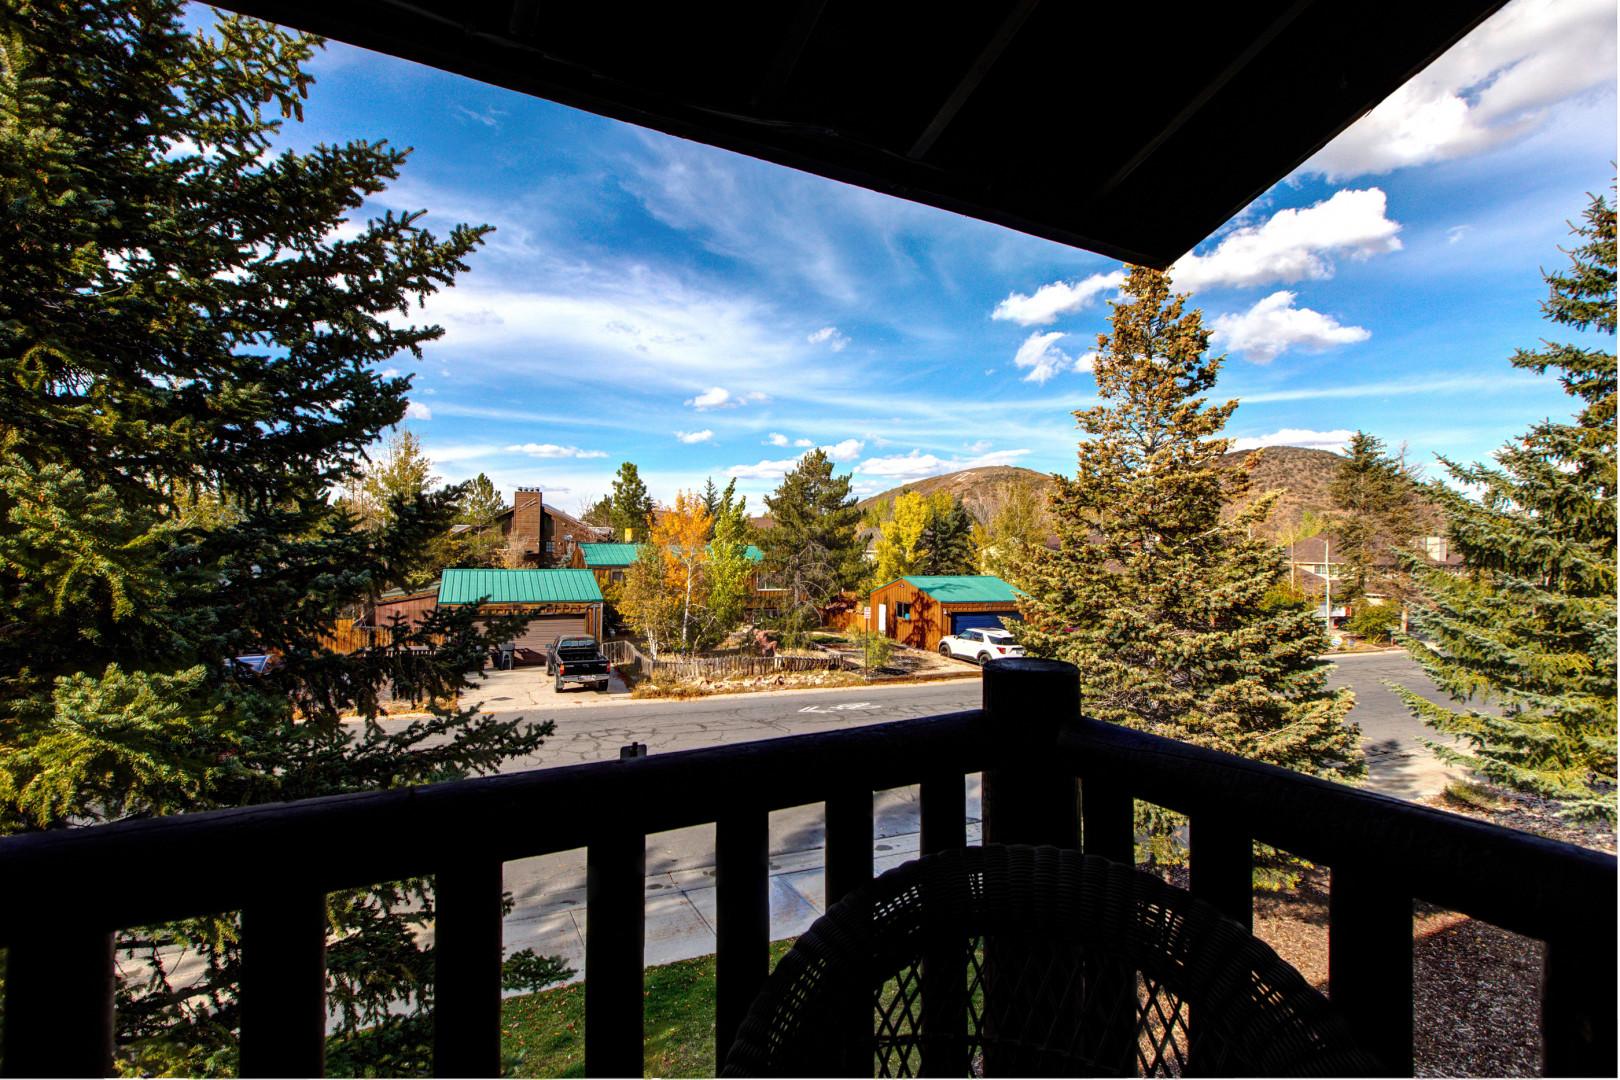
(526, 518)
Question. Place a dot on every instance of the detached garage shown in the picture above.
(557, 602)
(919, 609)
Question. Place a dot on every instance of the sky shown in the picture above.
(704, 314)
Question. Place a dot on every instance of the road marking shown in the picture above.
(846, 707)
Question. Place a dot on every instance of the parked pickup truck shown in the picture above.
(577, 660)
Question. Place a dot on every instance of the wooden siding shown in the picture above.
(930, 620)
(412, 608)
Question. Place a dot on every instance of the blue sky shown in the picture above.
(703, 314)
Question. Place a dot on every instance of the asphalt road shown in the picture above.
(550, 889)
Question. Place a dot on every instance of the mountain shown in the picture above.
(977, 487)
(1302, 475)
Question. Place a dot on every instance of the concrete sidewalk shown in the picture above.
(680, 906)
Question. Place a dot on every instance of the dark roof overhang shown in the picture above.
(1134, 130)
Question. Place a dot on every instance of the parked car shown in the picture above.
(980, 645)
(577, 660)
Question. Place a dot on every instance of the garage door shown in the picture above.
(543, 630)
(973, 620)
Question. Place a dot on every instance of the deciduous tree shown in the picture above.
(1529, 627)
(1016, 525)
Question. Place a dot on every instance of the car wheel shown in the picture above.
(984, 658)
(944, 649)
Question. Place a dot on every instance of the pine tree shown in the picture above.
(190, 358)
(1529, 627)
(481, 504)
(1155, 598)
(947, 537)
(711, 498)
(813, 548)
(630, 507)
(1374, 518)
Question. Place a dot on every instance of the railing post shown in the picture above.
(1370, 962)
(283, 988)
(467, 969)
(943, 803)
(615, 947)
(59, 1003)
(1578, 1001)
(1028, 799)
(743, 914)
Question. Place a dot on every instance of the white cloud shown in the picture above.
(830, 336)
(690, 437)
(1456, 233)
(1058, 298)
(718, 397)
(388, 373)
(776, 438)
(1295, 244)
(847, 450)
(1274, 325)
(1042, 357)
(1499, 84)
(1304, 437)
(552, 450)
(916, 465)
(978, 447)
(459, 452)
(417, 411)
(803, 442)
(763, 470)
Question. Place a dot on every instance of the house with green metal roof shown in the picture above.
(558, 602)
(920, 609)
(608, 562)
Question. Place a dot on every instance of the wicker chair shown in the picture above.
(1022, 961)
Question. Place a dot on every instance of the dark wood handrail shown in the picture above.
(411, 830)
(1519, 881)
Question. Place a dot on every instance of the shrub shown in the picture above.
(1375, 622)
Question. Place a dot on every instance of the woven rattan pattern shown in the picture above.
(1020, 961)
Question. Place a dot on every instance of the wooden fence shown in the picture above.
(626, 657)
(346, 637)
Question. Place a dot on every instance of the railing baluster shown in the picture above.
(1108, 812)
(467, 969)
(1370, 962)
(943, 800)
(615, 946)
(1578, 1007)
(59, 1003)
(1222, 858)
(849, 843)
(943, 797)
(283, 990)
(742, 908)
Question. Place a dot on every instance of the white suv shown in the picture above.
(980, 645)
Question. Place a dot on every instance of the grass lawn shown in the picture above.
(545, 1032)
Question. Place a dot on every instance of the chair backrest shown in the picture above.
(1035, 962)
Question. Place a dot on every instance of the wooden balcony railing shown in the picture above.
(1049, 777)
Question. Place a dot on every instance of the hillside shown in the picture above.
(977, 487)
(1302, 475)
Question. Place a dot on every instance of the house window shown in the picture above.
(902, 610)
(616, 576)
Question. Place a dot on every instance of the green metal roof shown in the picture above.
(965, 588)
(602, 555)
(519, 587)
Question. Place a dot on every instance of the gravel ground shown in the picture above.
(1476, 988)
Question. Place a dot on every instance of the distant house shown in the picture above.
(1314, 564)
(610, 561)
(920, 609)
(541, 535)
(558, 602)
